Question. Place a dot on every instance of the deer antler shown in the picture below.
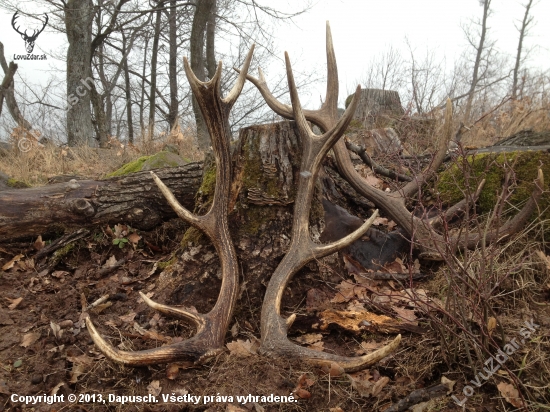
(420, 231)
(211, 327)
(302, 249)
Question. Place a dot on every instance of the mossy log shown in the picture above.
(466, 173)
(133, 199)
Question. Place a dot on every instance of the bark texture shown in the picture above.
(377, 107)
(78, 22)
(133, 199)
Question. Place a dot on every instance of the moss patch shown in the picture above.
(468, 172)
(193, 236)
(18, 184)
(156, 161)
(131, 167)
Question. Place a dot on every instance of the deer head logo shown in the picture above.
(29, 40)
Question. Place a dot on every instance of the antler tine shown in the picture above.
(330, 104)
(238, 87)
(211, 327)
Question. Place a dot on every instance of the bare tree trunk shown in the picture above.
(203, 12)
(8, 92)
(100, 118)
(477, 63)
(522, 33)
(172, 66)
(78, 20)
(210, 43)
(154, 56)
(142, 96)
(127, 92)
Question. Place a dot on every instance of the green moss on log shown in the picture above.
(156, 161)
(470, 171)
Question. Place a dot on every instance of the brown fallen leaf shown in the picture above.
(109, 263)
(491, 325)
(4, 388)
(76, 371)
(29, 338)
(332, 369)
(151, 334)
(405, 314)
(14, 303)
(39, 243)
(348, 290)
(172, 369)
(367, 347)
(243, 348)
(134, 238)
(57, 332)
(12, 262)
(309, 338)
(154, 388)
(128, 318)
(303, 382)
(360, 381)
(510, 393)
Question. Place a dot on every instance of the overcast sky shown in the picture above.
(361, 29)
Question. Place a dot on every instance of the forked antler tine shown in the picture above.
(211, 327)
(230, 99)
(443, 143)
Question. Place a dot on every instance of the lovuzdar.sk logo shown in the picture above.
(29, 39)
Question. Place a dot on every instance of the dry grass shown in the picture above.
(36, 163)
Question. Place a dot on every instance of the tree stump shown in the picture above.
(377, 108)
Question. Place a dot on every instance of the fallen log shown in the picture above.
(133, 199)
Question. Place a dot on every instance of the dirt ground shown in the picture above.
(45, 348)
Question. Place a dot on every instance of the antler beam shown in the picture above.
(420, 231)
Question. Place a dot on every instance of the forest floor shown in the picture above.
(45, 348)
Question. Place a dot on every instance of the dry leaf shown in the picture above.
(337, 409)
(110, 262)
(302, 393)
(172, 369)
(134, 238)
(80, 360)
(128, 318)
(14, 303)
(151, 334)
(309, 338)
(57, 332)
(29, 338)
(233, 408)
(56, 388)
(78, 369)
(12, 262)
(406, 314)
(39, 243)
(4, 388)
(154, 388)
(379, 385)
(243, 348)
(448, 383)
(510, 393)
(318, 346)
(491, 325)
(360, 381)
(367, 347)
(347, 291)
